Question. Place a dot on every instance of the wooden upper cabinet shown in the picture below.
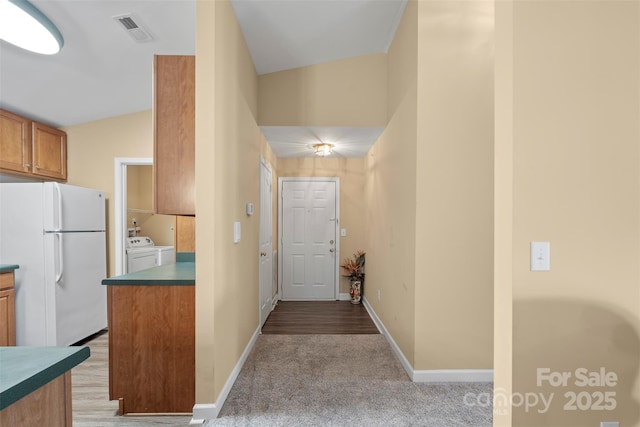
(49, 152)
(174, 135)
(15, 142)
(28, 148)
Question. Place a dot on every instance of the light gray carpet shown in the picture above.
(341, 380)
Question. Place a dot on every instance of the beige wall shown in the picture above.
(229, 144)
(390, 188)
(576, 97)
(429, 186)
(454, 191)
(352, 207)
(91, 150)
(349, 92)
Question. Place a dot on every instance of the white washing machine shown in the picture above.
(142, 253)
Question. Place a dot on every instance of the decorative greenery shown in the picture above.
(354, 267)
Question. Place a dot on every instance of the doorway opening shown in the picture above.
(134, 214)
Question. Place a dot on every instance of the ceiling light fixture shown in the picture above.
(322, 150)
(25, 26)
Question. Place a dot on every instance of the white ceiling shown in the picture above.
(102, 72)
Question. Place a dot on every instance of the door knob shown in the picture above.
(263, 254)
(331, 241)
(331, 250)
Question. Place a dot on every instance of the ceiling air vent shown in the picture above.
(132, 26)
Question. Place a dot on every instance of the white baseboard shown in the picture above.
(209, 411)
(427, 376)
(396, 349)
(453, 376)
(344, 297)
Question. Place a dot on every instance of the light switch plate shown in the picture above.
(540, 256)
(237, 232)
(609, 424)
(343, 232)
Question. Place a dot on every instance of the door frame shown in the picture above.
(265, 164)
(281, 181)
(120, 208)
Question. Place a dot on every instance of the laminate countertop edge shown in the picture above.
(23, 370)
(6, 268)
(176, 274)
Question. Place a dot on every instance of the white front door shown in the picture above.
(266, 235)
(308, 232)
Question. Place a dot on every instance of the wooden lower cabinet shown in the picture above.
(7, 309)
(50, 405)
(152, 348)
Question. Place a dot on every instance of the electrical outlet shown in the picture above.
(378, 294)
(609, 424)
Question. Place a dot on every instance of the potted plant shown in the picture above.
(354, 270)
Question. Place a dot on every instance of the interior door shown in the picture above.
(309, 223)
(266, 242)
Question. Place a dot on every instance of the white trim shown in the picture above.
(344, 297)
(396, 349)
(428, 376)
(453, 376)
(209, 411)
(337, 226)
(120, 206)
(264, 164)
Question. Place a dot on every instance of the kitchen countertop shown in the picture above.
(179, 273)
(4, 268)
(23, 370)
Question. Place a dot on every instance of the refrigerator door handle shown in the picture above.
(59, 213)
(60, 269)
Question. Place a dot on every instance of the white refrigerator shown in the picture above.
(56, 234)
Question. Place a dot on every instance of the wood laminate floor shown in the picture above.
(319, 317)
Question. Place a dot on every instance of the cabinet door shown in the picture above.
(174, 135)
(15, 142)
(7, 317)
(49, 152)
(185, 234)
(7, 309)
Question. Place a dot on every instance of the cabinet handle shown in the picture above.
(27, 165)
(37, 167)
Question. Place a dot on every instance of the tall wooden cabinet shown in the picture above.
(33, 149)
(174, 135)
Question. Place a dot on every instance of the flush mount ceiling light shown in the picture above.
(25, 26)
(322, 150)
